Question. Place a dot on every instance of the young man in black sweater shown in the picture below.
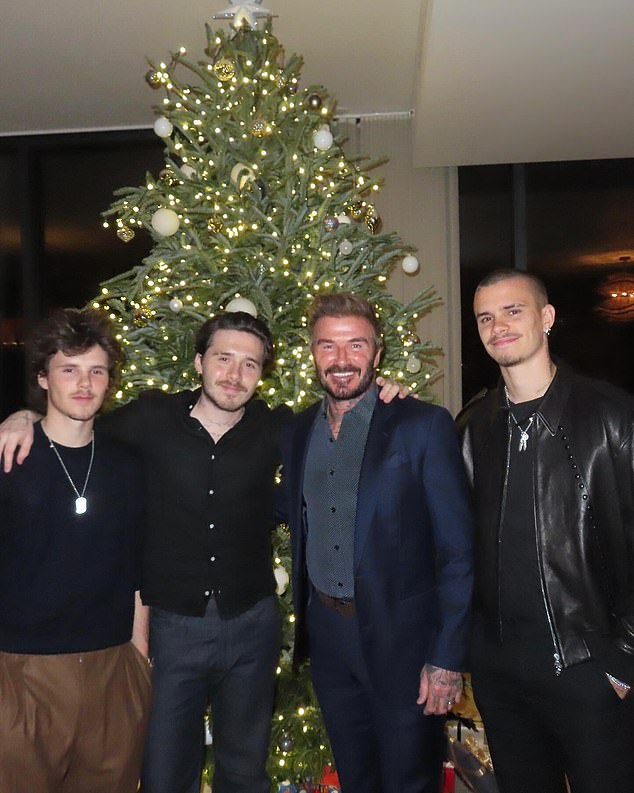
(74, 689)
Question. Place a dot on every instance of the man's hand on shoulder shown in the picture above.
(440, 689)
(389, 390)
(16, 438)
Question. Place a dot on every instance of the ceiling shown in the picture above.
(489, 80)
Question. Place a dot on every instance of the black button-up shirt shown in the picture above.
(210, 505)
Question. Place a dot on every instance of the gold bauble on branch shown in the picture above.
(167, 177)
(224, 69)
(215, 224)
(141, 317)
(125, 233)
(372, 220)
(356, 210)
(153, 79)
(260, 128)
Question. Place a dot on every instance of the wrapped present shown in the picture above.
(472, 764)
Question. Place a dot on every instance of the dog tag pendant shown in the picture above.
(80, 505)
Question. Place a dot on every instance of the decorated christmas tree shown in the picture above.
(257, 208)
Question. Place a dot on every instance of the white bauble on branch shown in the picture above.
(165, 222)
(343, 218)
(410, 264)
(281, 579)
(163, 127)
(188, 171)
(176, 304)
(345, 247)
(241, 175)
(413, 364)
(322, 138)
(241, 304)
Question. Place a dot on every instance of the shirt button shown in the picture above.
(333, 509)
(336, 547)
(331, 472)
(212, 558)
(211, 525)
(211, 492)
(213, 456)
(207, 593)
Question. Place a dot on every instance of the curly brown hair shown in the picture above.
(72, 331)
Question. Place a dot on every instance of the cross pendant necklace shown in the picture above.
(522, 430)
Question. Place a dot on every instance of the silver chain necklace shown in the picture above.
(522, 430)
(81, 504)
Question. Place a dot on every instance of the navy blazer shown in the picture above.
(413, 543)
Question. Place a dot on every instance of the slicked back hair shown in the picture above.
(345, 304)
(237, 320)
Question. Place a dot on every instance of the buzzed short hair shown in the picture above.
(535, 283)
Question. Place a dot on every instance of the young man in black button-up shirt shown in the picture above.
(210, 458)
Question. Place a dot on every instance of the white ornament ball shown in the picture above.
(165, 222)
(281, 579)
(322, 138)
(241, 175)
(163, 127)
(413, 364)
(410, 264)
(345, 247)
(188, 171)
(241, 304)
(176, 304)
(343, 218)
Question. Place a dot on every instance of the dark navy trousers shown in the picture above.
(230, 663)
(379, 746)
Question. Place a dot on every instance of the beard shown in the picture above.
(343, 392)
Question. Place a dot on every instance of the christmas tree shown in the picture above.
(258, 208)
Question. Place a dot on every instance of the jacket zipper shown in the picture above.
(501, 521)
(557, 661)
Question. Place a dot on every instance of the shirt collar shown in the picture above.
(364, 408)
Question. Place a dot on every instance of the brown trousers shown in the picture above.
(73, 723)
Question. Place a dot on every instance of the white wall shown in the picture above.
(421, 204)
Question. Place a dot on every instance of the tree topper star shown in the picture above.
(244, 13)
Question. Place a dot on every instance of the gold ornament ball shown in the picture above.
(215, 224)
(225, 69)
(356, 210)
(125, 233)
(372, 220)
(141, 317)
(167, 177)
(330, 223)
(260, 128)
(153, 79)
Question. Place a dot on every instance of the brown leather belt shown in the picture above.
(344, 607)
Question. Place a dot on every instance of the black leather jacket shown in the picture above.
(584, 514)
